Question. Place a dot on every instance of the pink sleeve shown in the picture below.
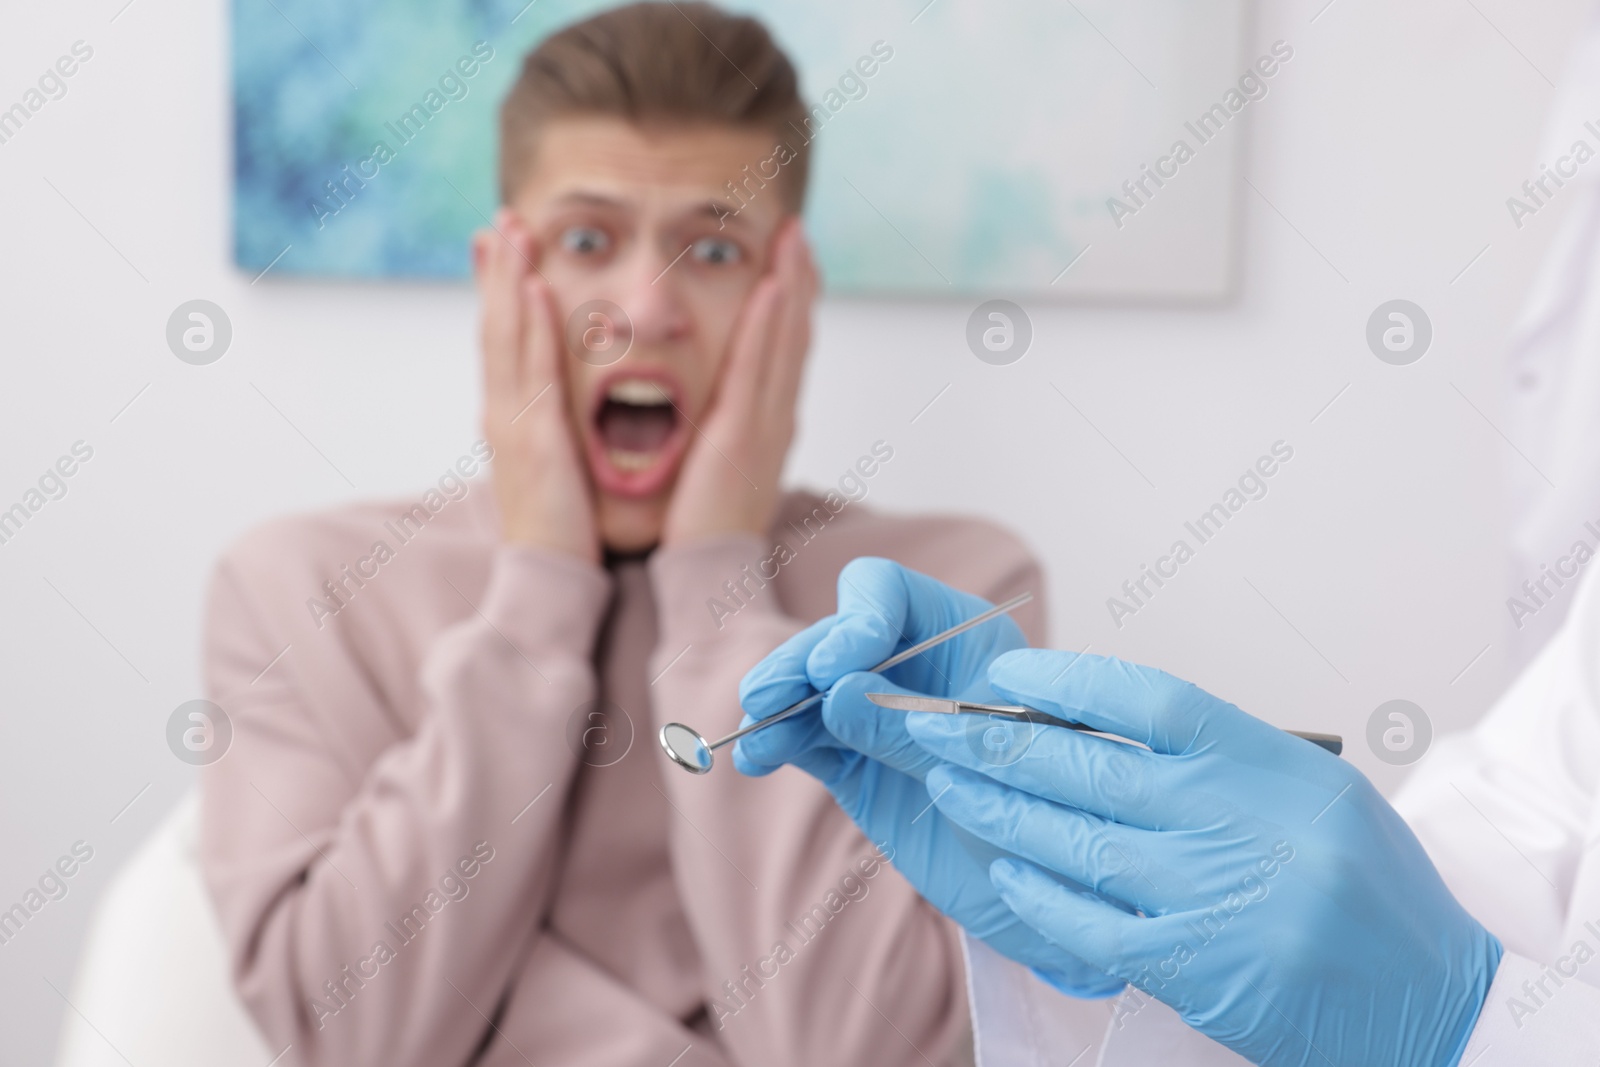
(364, 904)
(883, 982)
(566, 1010)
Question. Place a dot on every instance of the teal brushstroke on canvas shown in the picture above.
(364, 149)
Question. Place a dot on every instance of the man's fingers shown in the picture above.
(480, 254)
(792, 337)
(520, 242)
(500, 326)
(741, 376)
(540, 350)
(786, 273)
(1116, 861)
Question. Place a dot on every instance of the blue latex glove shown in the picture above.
(865, 758)
(1286, 909)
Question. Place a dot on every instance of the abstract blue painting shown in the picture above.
(982, 156)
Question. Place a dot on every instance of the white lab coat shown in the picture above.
(1509, 812)
(1553, 396)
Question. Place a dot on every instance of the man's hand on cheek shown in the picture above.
(539, 479)
(729, 480)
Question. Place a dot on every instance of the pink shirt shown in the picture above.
(433, 842)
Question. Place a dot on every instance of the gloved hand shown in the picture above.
(1286, 910)
(865, 758)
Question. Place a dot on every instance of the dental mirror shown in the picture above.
(689, 749)
(686, 748)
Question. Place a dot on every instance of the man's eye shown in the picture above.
(584, 240)
(715, 250)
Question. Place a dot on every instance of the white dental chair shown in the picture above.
(153, 977)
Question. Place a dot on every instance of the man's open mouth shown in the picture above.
(638, 434)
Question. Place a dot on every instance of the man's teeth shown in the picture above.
(640, 392)
(629, 461)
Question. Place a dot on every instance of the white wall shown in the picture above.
(1388, 147)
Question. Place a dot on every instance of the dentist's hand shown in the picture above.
(1284, 908)
(864, 756)
(540, 480)
(729, 480)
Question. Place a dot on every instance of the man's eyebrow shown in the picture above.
(716, 209)
(578, 196)
(711, 208)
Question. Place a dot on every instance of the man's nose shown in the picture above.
(652, 295)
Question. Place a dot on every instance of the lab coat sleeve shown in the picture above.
(1520, 1024)
(1505, 809)
(815, 950)
(1507, 812)
(1018, 1021)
